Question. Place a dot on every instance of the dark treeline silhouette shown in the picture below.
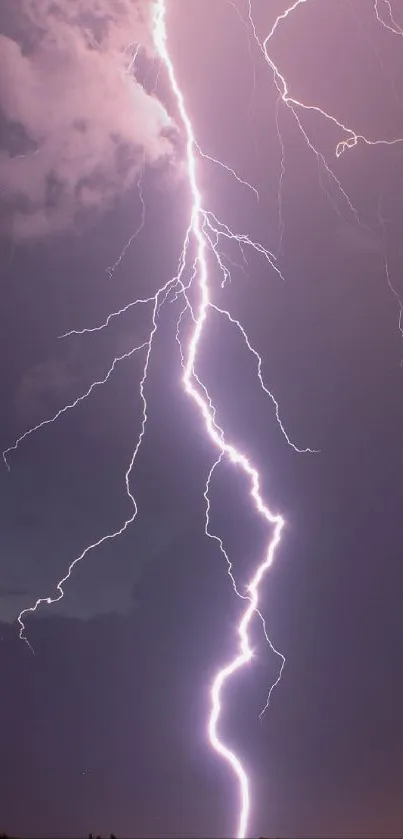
(90, 836)
(97, 836)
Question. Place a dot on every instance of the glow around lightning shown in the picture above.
(205, 237)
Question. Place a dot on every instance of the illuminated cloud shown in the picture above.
(76, 124)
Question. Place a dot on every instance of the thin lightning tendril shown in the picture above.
(258, 359)
(71, 405)
(227, 168)
(112, 268)
(392, 26)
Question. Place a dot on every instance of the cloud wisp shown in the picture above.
(76, 125)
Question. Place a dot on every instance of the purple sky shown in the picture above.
(104, 729)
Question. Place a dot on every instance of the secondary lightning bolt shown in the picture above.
(351, 137)
(148, 345)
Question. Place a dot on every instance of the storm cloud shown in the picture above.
(76, 125)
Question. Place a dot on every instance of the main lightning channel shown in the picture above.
(203, 403)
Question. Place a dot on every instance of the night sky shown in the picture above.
(103, 729)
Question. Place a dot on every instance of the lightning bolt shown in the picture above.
(199, 223)
(206, 237)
